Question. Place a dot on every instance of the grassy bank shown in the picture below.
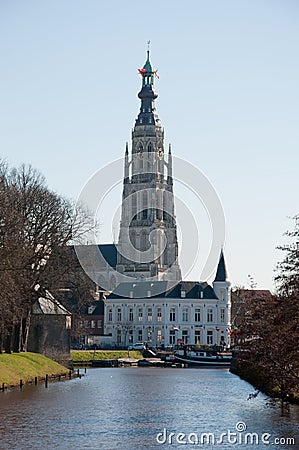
(26, 366)
(88, 355)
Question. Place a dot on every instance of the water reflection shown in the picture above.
(127, 408)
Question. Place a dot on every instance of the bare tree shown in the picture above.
(271, 357)
(37, 225)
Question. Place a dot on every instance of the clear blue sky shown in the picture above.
(228, 99)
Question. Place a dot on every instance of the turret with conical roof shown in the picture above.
(221, 284)
(221, 274)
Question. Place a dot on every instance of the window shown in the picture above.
(119, 314)
(144, 205)
(172, 315)
(140, 336)
(149, 314)
(222, 315)
(99, 324)
(185, 314)
(149, 334)
(91, 309)
(197, 315)
(210, 337)
(130, 336)
(68, 322)
(110, 315)
(210, 315)
(131, 315)
(141, 164)
(159, 314)
(165, 203)
(185, 336)
(222, 294)
(140, 314)
(171, 337)
(144, 241)
(118, 336)
(197, 336)
(183, 294)
(134, 209)
(159, 336)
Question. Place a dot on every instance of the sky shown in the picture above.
(228, 101)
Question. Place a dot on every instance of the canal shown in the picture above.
(145, 408)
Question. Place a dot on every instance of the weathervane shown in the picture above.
(148, 45)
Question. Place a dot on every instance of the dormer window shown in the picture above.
(183, 294)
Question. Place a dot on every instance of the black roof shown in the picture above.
(163, 289)
(99, 308)
(221, 274)
(109, 252)
(96, 256)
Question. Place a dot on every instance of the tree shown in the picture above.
(287, 271)
(36, 227)
(272, 356)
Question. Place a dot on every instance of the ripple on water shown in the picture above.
(126, 408)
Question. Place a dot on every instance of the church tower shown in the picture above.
(147, 245)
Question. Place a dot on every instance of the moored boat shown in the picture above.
(203, 358)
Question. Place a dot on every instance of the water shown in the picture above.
(127, 408)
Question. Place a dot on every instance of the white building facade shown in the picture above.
(190, 313)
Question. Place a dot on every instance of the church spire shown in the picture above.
(147, 95)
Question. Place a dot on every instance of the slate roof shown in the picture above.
(163, 289)
(109, 252)
(221, 274)
(97, 255)
(49, 305)
(99, 308)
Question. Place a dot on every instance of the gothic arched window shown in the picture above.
(144, 205)
(133, 238)
(144, 242)
(165, 205)
(159, 200)
(133, 205)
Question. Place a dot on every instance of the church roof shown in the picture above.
(147, 66)
(147, 95)
(164, 289)
(109, 252)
